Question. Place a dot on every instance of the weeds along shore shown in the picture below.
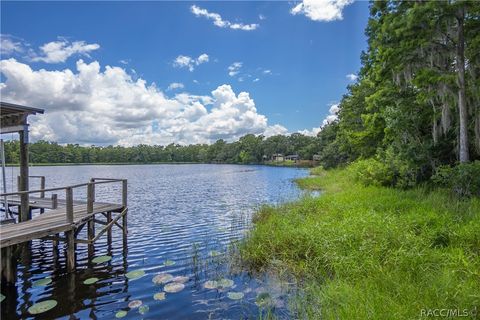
(371, 252)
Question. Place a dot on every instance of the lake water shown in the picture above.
(182, 220)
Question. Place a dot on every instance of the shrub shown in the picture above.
(384, 173)
(463, 179)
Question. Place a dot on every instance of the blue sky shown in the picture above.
(293, 66)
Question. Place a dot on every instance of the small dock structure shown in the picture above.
(61, 216)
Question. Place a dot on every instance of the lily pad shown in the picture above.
(173, 287)
(225, 283)
(180, 279)
(90, 281)
(135, 274)
(159, 296)
(214, 253)
(42, 282)
(120, 314)
(101, 259)
(235, 295)
(2, 297)
(162, 278)
(263, 299)
(169, 263)
(210, 284)
(134, 304)
(143, 309)
(43, 306)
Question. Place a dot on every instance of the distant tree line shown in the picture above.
(248, 149)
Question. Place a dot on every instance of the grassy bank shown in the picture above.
(372, 252)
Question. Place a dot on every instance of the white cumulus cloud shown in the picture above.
(61, 50)
(321, 10)
(219, 21)
(175, 85)
(10, 45)
(188, 62)
(95, 105)
(234, 68)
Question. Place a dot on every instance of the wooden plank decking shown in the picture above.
(52, 222)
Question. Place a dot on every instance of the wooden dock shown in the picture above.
(64, 216)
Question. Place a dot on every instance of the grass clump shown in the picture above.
(371, 252)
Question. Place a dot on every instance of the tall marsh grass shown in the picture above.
(371, 252)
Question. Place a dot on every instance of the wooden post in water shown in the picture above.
(9, 264)
(124, 204)
(109, 231)
(91, 221)
(70, 235)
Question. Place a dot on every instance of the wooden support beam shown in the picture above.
(70, 250)
(108, 226)
(9, 265)
(23, 181)
(109, 222)
(69, 204)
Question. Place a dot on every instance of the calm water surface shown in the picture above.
(187, 215)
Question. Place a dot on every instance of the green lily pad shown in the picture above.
(135, 274)
(42, 282)
(2, 297)
(169, 263)
(225, 283)
(263, 299)
(180, 279)
(162, 278)
(210, 284)
(173, 287)
(159, 296)
(143, 309)
(90, 281)
(235, 295)
(214, 253)
(120, 314)
(134, 304)
(43, 306)
(101, 259)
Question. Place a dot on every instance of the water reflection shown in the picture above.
(182, 220)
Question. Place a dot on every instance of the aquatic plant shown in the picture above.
(162, 278)
(43, 306)
(159, 296)
(101, 259)
(224, 283)
(143, 309)
(210, 284)
(169, 263)
(263, 299)
(42, 282)
(214, 253)
(180, 279)
(135, 274)
(235, 295)
(134, 304)
(173, 287)
(120, 314)
(90, 281)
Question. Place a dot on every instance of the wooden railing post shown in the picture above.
(54, 201)
(69, 200)
(42, 186)
(124, 193)
(90, 197)
(70, 234)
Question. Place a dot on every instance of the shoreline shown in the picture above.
(359, 251)
(151, 163)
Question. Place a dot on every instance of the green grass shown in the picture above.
(371, 252)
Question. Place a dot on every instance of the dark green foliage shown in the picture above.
(404, 108)
(463, 179)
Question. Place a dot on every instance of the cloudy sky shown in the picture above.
(185, 72)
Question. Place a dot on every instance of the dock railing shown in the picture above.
(69, 194)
